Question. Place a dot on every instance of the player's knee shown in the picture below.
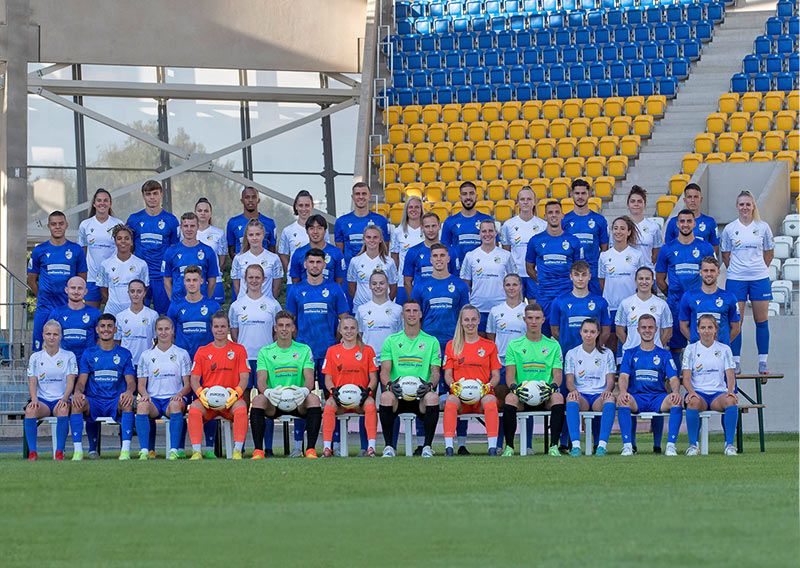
(312, 401)
(330, 403)
(388, 398)
(608, 397)
(431, 399)
(512, 399)
(695, 403)
(143, 408)
(29, 411)
(556, 398)
(259, 401)
(489, 399)
(574, 397)
(174, 407)
(239, 404)
(451, 399)
(369, 402)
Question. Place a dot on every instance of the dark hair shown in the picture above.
(438, 246)
(580, 266)
(189, 216)
(203, 200)
(361, 184)
(317, 219)
(56, 214)
(193, 269)
(534, 307)
(315, 252)
(301, 193)
(633, 237)
(467, 184)
(709, 260)
(430, 214)
(284, 314)
(685, 212)
(595, 322)
(412, 301)
(151, 185)
(579, 182)
(92, 210)
(552, 202)
(692, 186)
(637, 190)
(221, 314)
(107, 317)
(137, 281)
(647, 268)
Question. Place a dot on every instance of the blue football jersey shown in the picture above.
(418, 262)
(317, 309)
(462, 234)
(591, 230)
(648, 370)
(349, 231)
(55, 265)
(77, 328)
(553, 257)
(334, 263)
(568, 313)
(192, 323)
(152, 236)
(682, 265)
(234, 231)
(705, 228)
(721, 304)
(441, 301)
(106, 370)
(179, 256)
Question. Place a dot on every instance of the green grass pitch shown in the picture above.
(466, 511)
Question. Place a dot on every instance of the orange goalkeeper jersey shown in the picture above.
(220, 365)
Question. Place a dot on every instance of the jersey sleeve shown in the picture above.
(686, 359)
(328, 364)
(601, 266)
(261, 360)
(511, 268)
(72, 364)
(463, 298)
(277, 268)
(80, 262)
(767, 241)
(713, 233)
(102, 276)
(669, 367)
(372, 359)
(733, 310)
(391, 272)
(626, 367)
(31, 370)
(230, 235)
(197, 364)
(436, 353)
(338, 233)
(409, 265)
(666, 317)
(291, 300)
(671, 232)
(35, 262)
(144, 273)
(233, 316)
(386, 351)
(556, 358)
(603, 230)
(272, 233)
(555, 313)
(295, 266)
(620, 316)
(394, 243)
(609, 364)
(447, 237)
(213, 263)
(83, 239)
(339, 269)
(725, 243)
(308, 361)
(490, 325)
(578, 253)
(283, 243)
(466, 268)
(342, 306)
(569, 363)
(530, 252)
(661, 260)
(605, 314)
(352, 271)
(449, 358)
(381, 222)
(494, 358)
(242, 365)
(128, 368)
(727, 359)
(143, 368)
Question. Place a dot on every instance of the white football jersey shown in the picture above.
(99, 243)
(254, 319)
(589, 369)
(136, 332)
(632, 307)
(269, 261)
(650, 237)
(516, 233)
(293, 237)
(116, 274)
(51, 371)
(215, 238)
(618, 268)
(376, 322)
(708, 366)
(164, 370)
(402, 240)
(486, 271)
(747, 244)
(507, 324)
(361, 268)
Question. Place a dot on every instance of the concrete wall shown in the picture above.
(307, 35)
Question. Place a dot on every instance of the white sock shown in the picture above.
(237, 446)
(173, 449)
(601, 444)
(737, 359)
(371, 444)
(448, 442)
(195, 447)
(492, 442)
(326, 445)
(462, 441)
(207, 448)
(298, 444)
(627, 446)
(576, 444)
(762, 358)
(77, 447)
(126, 445)
(143, 449)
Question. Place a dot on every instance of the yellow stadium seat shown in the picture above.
(787, 156)
(793, 141)
(572, 108)
(540, 187)
(442, 152)
(511, 110)
(704, 143)
(773, 100)
(452, 191)
(532, 168)
(504, 210)
(382, 153)
(587, 146)
(579, 127)
(559, 187)
(532, 110)
(392, 114)
(382, 209)
(397, 133)
(794, 182)
(738, 157)
(762, 121)
(566, 147)
(774, 140)
(498, 130)
(496, 190)
(656, 105)
(471, 112)
(463, 151)
(485, 207)
(476, 131)
(573, 167)
(716, 122)
(490, 170)
(442, 210)
(431, 114)
(423, 152)
(396, 214)
(607, 146)
(729, 102)
(553, 167)
(629, 145)
(567, 204)
(793, 101)
(434, 191)
(716, 158)
(545, 148)
(504, 149)
(414, 189)
(484, 150)
(393, 193)
(411, 114)
(491, 111)
(409, 172)
(525, 149)
(604, 187)
(751, 102)
(451, 113)
(428, 172)
(617, 166)
(403, 153)
(514, 186)
(664, 205)
(739, 121)
(677, 183)
(437, 132)
(551, 109)
(449, 172)
(388, 173)
(470, 171)
(537, 128)
(517, 129)
(595, 166)
(600, 126)
(613, 106)
(512, 169)
(592, 108)
(785, 120)
(559, 128)
(456, 208)
(750, 142)
(762, 156)
(727, 142)
(690, 163)
(634, 106)
(480, 188)
(596, 204)
(457, 132)
(621, 125)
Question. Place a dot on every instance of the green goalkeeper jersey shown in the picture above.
(534, 360)
(413, 357)
(284, 367)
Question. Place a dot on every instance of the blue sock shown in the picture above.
(675, 418)
(461, 428)
(337, 433)
(93, 433)
(269, 434)
(657, 425)
(176, 422)
(30, 426)
(692, 424)
(182, 438)
(574, 420)
(736, 344)
(299, 429)
(210, 432)
(151, 439)
(143, 430)
(529, 430)
(762, 337)
(362, 432)
(597, 422)
(731, 417)
(634, 423)
(420, 428)
(606, 421)
(564, 440)
(76, 425)
(127, 426)
(624, 417)
(395, 432)
(62, 429)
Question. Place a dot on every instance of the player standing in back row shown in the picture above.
(589, 228)
(517, 232)
(348, 231)
(235, 229)
(461, 231)
(95, 236)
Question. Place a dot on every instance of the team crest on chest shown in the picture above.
(565, 245)
(695, 253)
(68, 254)
(591, 223)
(161, 225)
(200, 255)
(358, 356)
(702, 227)
(325, 293)
(231, 355)
(718, 302)
(116, 359)
(657, 360)
(85, 318)
(204, 311)
(481, 352)
(591, 305)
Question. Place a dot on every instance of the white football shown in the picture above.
(471, 390)
(538, 392)
(349, 396)
(288, 398)
(410, 385)
(217, 396)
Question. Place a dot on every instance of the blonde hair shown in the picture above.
(252, 223)
(53, 323)
(459, 335)
(383, 250)
(746, 193)
(359, 339)
(404, 221)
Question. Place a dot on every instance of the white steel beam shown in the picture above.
(39, 73)
(344, 79)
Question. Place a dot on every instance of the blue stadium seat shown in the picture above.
(465, 94)
(524, 92)
(455, 8)
(615, 17)
(478, 76)
(536, 73)
(472, 58)
(622, 34)
(518, 22)
(452, 59)
(786, 82)
(558, 73)
(608, 4)
(577, 72)
(793, 63)
(762, 45)
(634, 15)
(414, 60)
(715, 11)
(544, 38)
(530, 56)
(662, 32)
(773, 63)
(682, 31)
(654, 14)
(703, 30)
(493, 7)
(583, 36)
(447, 42)
(425, 96)
(537, 21)
(630, 51)
(398, 61)
(691, 49)
(569, 54)
(617, 70)
(638, 69)
(498, 23)
(419, 9)
(563, 36)
(480, 23)
(550, 55)
(576, 18)
(492, 57)
(675, 13)
(598, 71)
(445, 95)
(680, 68)
(651, 50)
(405, 97)
(389, 94)
(506, 39)
(667, 86)
(625, 88)
(470, 40)
(458, 77)
(589, 54)
(610, 52)
(409, 43)
(670, 49)
(549, 5)
(557, 19)
(786, 44)
(524, 39)
(428, 43)
(564, 91)
(762, 82)
(420, 78)
(786, 8)
(694, 13)
(658, 68)
(602, 34)
(641, 32)
(584, 89)
(404, 26)
(645, 87)
(459, 24)
(569, 5)
(530, 5)
(544, 91)
(440, 78)
(474, 7)
(794, 26)
(497, 75)
(604, 88)
(422, 26)
(434, 60)
(484, 94)
(401, 79)
(596, 18)
(518, 74)
(513, 6)
(511, 56)
(739, 83)
(402, 9)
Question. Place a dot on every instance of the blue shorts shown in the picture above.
(647, 402)
(709, 396)
(252, 381)
(590, 398)
(157, 296)
(103, 407)
(51, 404)
(92, 292)
(529, 288)
(677, 341)
(502, 374)
(161, 405)
(753, 290)
(483, 322)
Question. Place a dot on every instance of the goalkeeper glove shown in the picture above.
(364, 395)
(273, 396)
(234, 396)
(514, 387)
(423, 389)
(396, 389)
(335, 395)
(485, 388)
(455, 388)
(302, 393)
(201, 396)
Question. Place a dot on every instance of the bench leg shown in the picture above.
(547, 435)
(227, 439)
(739, 436)
(286, 450)
(408, 435)
(343, 436)
(53, 437)
(587, 426)
(704, 435)
(522, 427)
(168, 440)
(760, 416)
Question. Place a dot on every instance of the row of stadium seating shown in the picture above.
(784, 270)
(774, 101)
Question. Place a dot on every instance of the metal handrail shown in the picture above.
(15, 277)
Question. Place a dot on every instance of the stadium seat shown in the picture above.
(403, 153)
(504, 149)
(785, 120)
(728, 103)
(604, 187)
(677, 183)
(463, 151)
(442, 151)
(727, 142)
(665, 204)
(595, 166)
(774, 100)
(513, 188)
(434, 191)
(738, 157)
(470, 170)
(762, 156)
(449, 172)
(690, 163)
(715, 158)
(532, 168)
(617, 166)
(774, 140)
(559, 188)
